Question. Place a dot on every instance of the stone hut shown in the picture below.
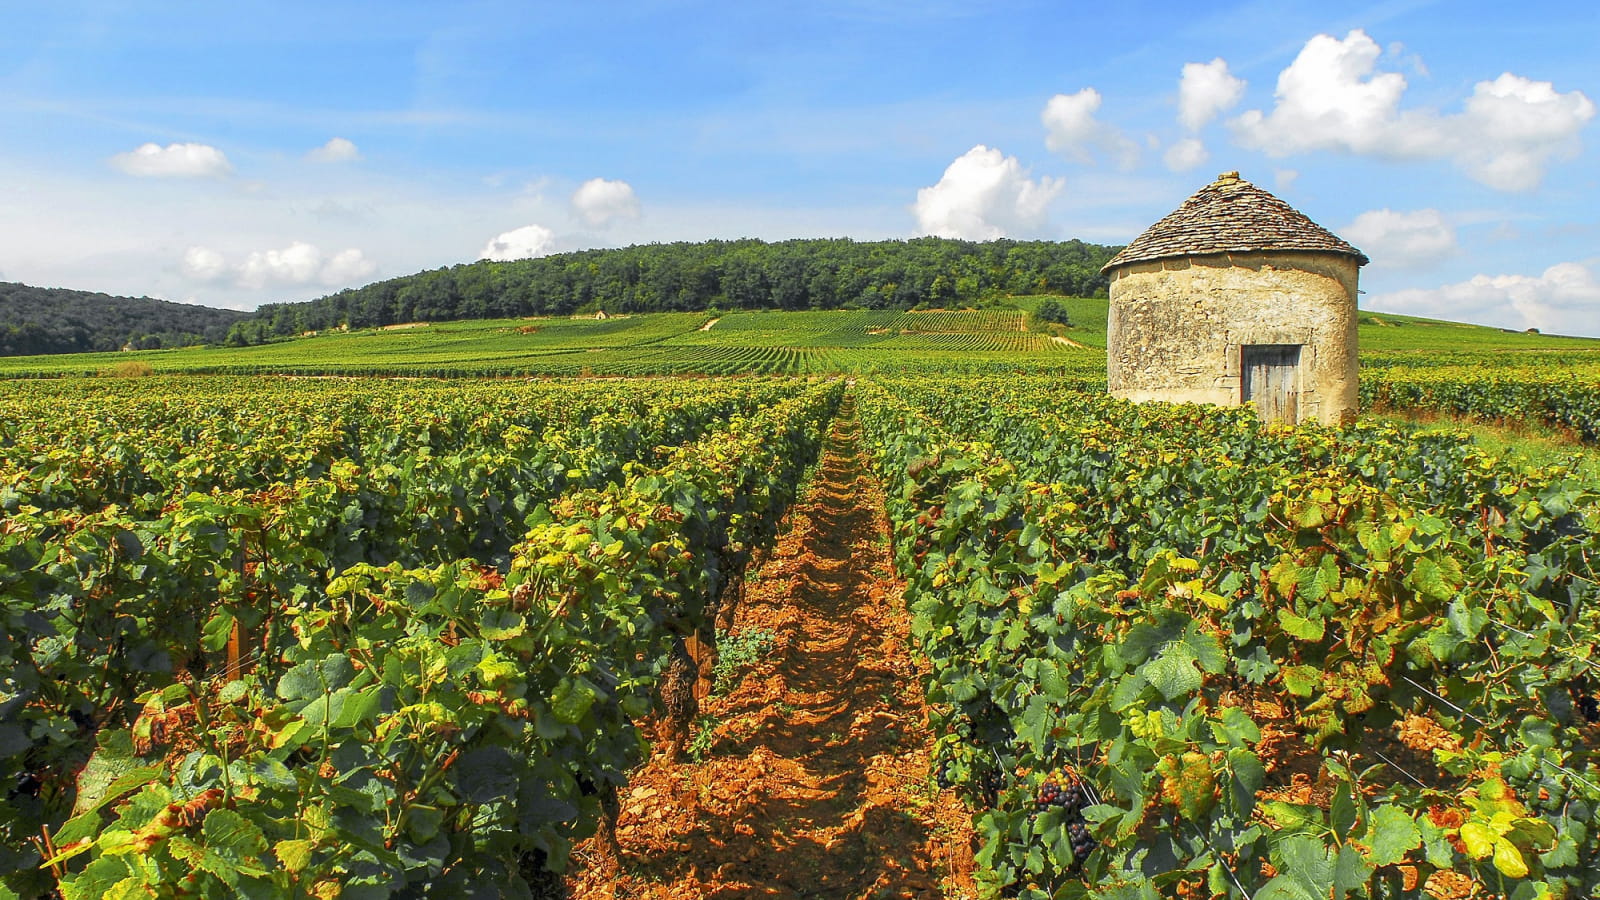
(1236, 297)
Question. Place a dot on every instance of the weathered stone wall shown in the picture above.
(1177, 326)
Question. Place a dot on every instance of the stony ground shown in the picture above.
(812, 772)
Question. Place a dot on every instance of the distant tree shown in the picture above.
(744, 274)
(37, 320)
(1054, 312)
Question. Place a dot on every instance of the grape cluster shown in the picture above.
(28, 785)
(1072, 798)
(990, 784)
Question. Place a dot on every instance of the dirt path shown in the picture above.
(815, 781)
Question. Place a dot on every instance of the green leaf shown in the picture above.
(501, 625)
(1308, 873)
(1537, 731)
(572, 699)
(1428, 579)
(295, 855)
(112, 772)
(1173, 672)
(487, 774)
(215, 633)
(1393, 834)
(98, 880)
(232, 836)
(1342, 810)
(1301, 681)
(314, 677)
(1536, 833)
(1301, 628)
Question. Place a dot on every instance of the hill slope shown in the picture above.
(736, 275)
(826, 341)
(35, 320)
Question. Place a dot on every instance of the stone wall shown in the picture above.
(1177, 326)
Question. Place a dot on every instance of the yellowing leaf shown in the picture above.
(1478, 838)
(294, 855)
(1508, 859)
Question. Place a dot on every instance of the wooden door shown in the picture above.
(1271, 376)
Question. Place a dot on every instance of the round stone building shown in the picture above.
(1236, 297)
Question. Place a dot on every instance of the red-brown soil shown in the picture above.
(816, 780)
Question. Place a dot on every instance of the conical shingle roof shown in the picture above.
(1231, 215)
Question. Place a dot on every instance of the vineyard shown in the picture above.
(1295, 664)
(357, 637)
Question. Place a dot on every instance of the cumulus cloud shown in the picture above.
(519, 243)
(985, 195)
(1072, 129)
(1402, 239)
(1185, 155)
(204, 264)
(335, 150)
(298, 264)
(1205, 91)
(1333, 98)
(599, 202)
(1564, 299)
(348, 266)
(173, 161)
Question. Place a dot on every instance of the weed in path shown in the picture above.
(735, 653)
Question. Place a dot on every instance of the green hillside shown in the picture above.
(36, 320)
(765, 342)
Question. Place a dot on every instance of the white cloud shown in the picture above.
(599, 202)
(204, 264)
(984, 195)
(1071, 128)
(1332, 98)
(298, 264)
(1564, 299)
(173, 161)
(347, 267)
(519, 243)
(1205, 91)
(1185, 155)
(1285, 178)
(335, 150)
(1402, 239)
(1513, 126)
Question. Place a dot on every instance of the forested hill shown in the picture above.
(745, 274)
(55, 320)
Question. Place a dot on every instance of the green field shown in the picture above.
(768, 342)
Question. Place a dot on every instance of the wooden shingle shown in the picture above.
(1231, 215)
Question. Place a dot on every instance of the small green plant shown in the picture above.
(705, 736)
(736, 652)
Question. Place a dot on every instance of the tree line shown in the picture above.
(742, 274)
(35, 320)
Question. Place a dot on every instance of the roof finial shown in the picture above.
(1228, 177)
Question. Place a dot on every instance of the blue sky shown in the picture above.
(240, 153)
